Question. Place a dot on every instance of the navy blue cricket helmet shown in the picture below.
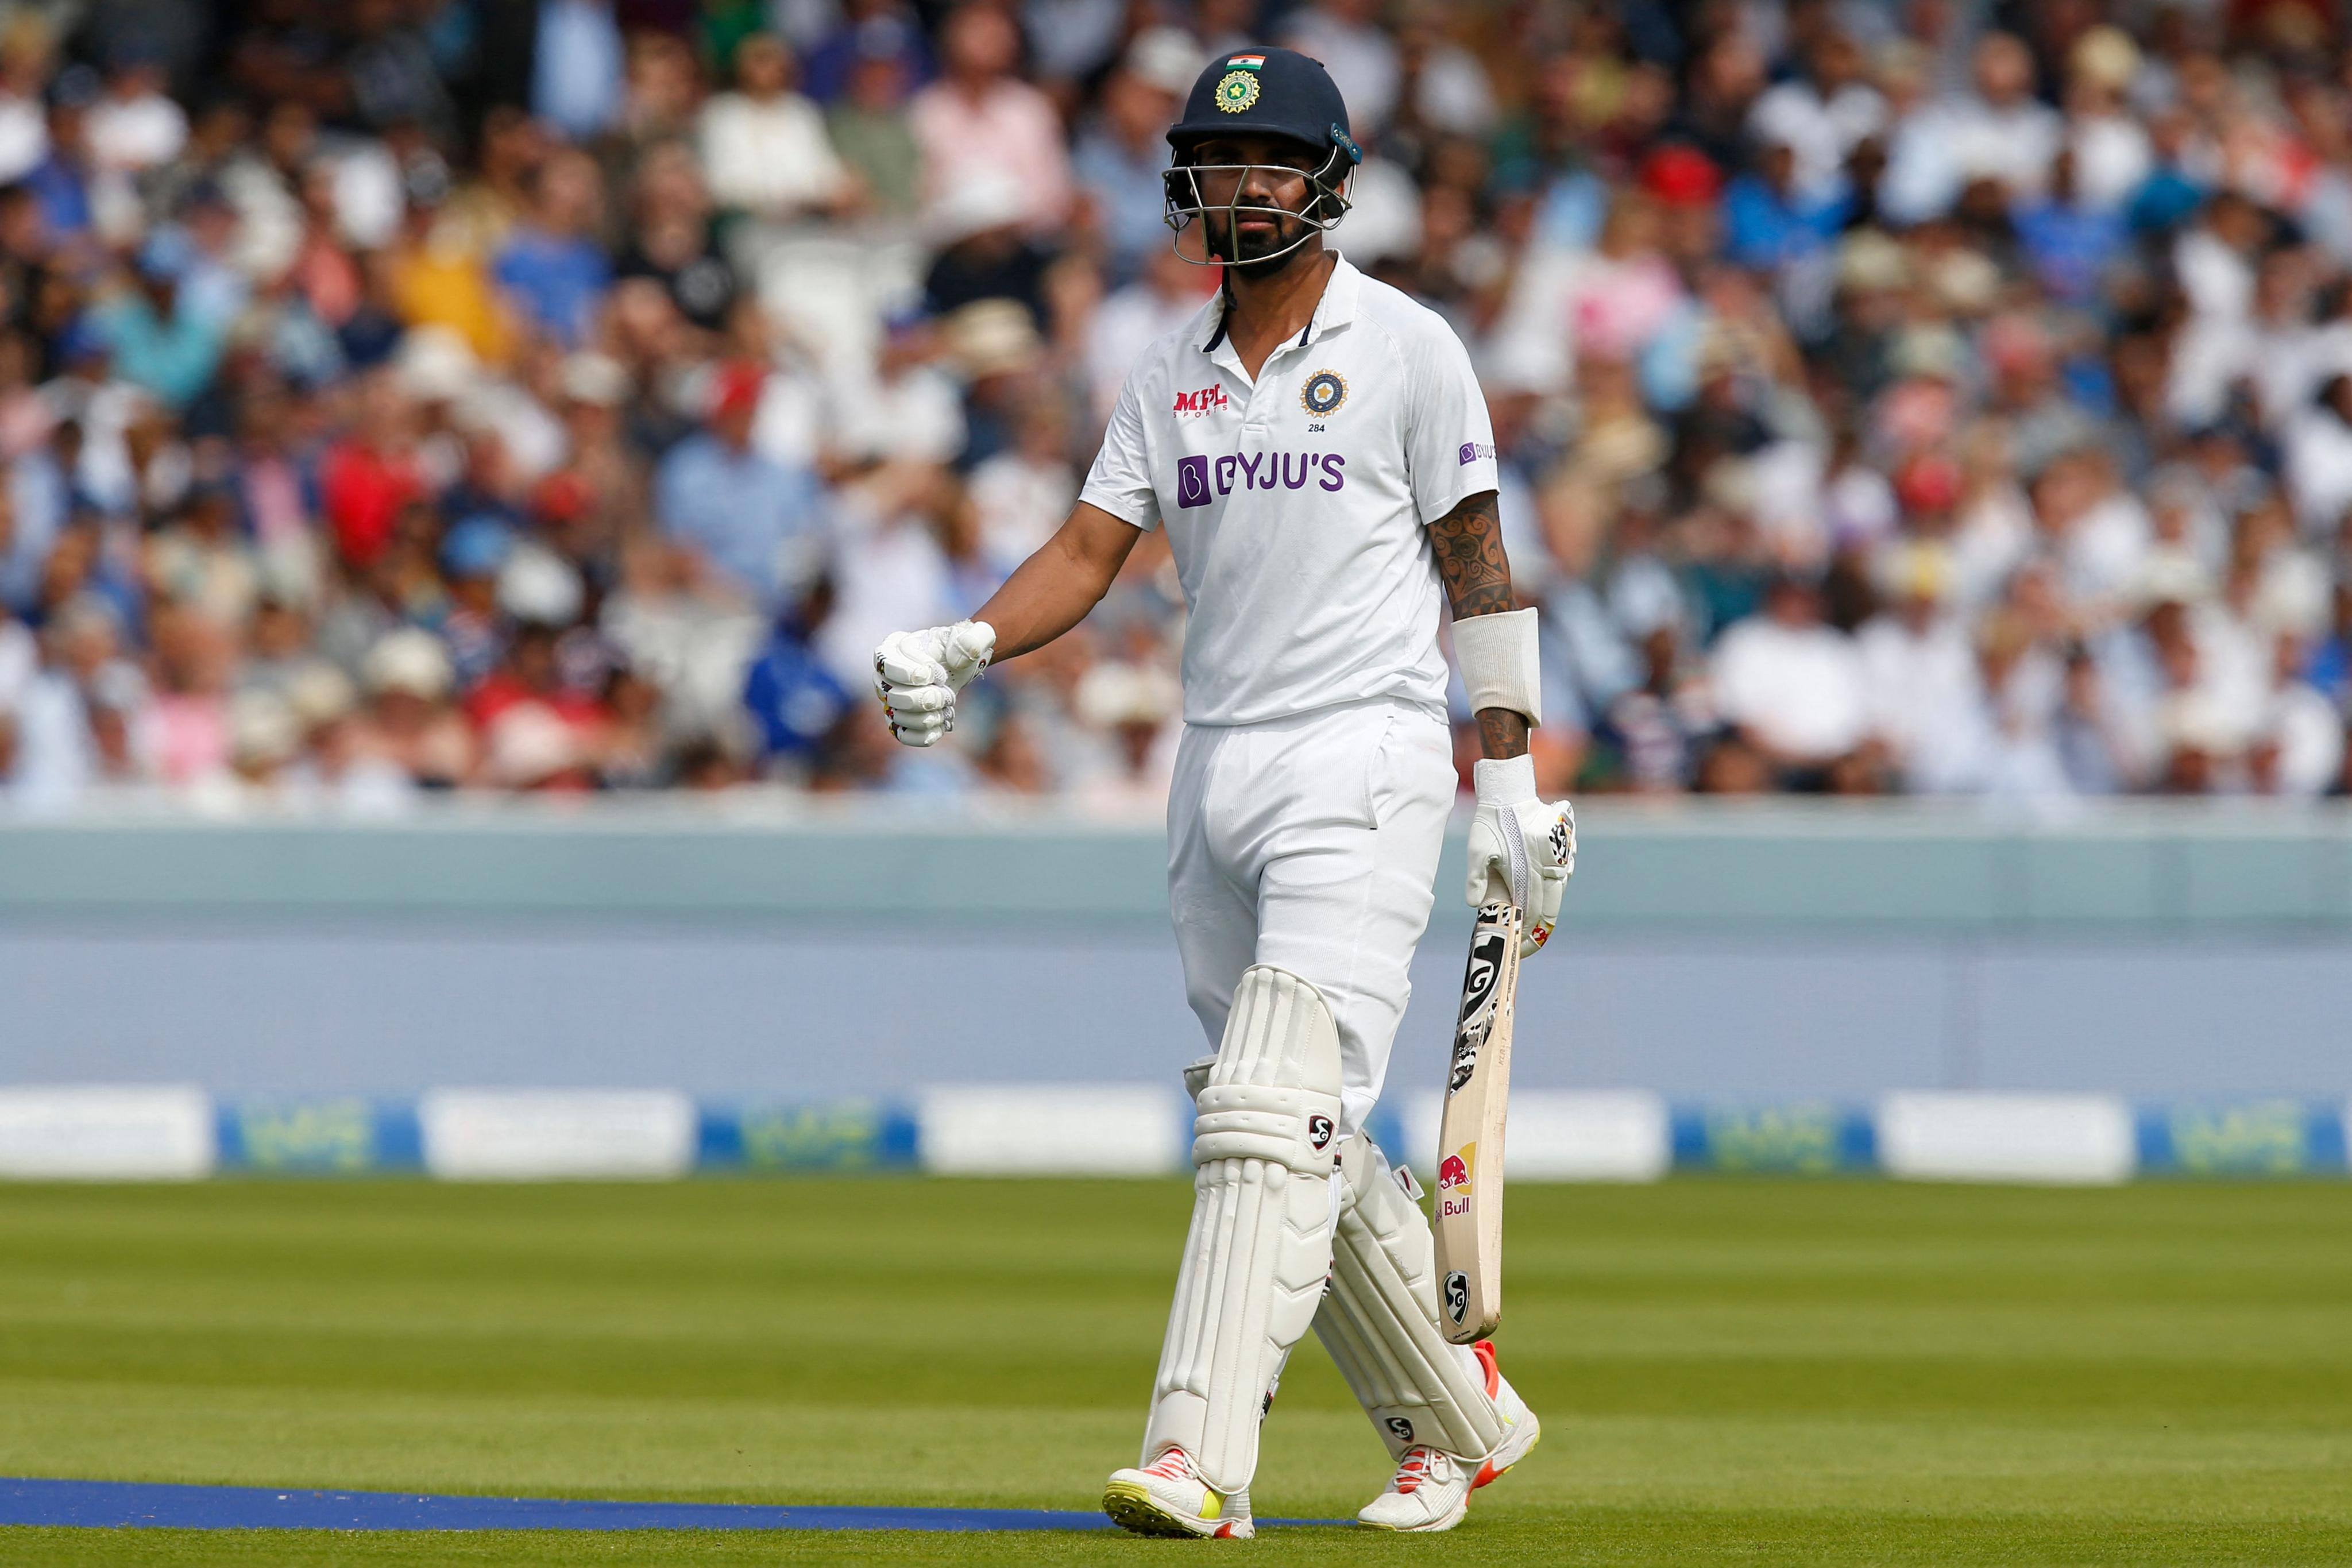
(1263, 92)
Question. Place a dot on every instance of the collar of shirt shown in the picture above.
(1335, 309)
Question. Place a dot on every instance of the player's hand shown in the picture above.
(917, 675)
(1522, 845)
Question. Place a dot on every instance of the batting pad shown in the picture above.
(1380, 1319)
(1260, 1245)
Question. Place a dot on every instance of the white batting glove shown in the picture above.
(917, 675)
(1520, 844)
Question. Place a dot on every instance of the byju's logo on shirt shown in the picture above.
(1191, 480)
(1473, 451)
(1257, 471)
(1208, 400)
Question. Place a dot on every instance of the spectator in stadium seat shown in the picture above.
(26, 58)
(1122, 154)
(551, 264)
(62, 745)
(794, 700)
(1822, 115)
(64, 180)
(1652, 734)
(870, 32)
(369, 476)
(1772, 224)
(1361, 55)
(395, 79)
(576, 81)
(2298, 746)
(1793, 688)
(674, 241)
(2113, 154)
(1020, 496)
(752, 518)
(663, 96)
(1918, 668)
(867, 122)
(408, 723)
(2070, 242)
(980, 122)
(158, 341)
(890, 562)
(985, 252)
(764, 147)
(2001, 132)
(134, 125)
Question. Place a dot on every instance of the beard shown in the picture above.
(1260, 254)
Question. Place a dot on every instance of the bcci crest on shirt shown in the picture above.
(1324, 391)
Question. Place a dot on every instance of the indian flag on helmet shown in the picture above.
(1244, 62)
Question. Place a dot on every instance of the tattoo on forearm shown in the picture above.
(1469, 545)
(1502, 734)
(1477, 575)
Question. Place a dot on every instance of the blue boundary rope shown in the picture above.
(117, 1505)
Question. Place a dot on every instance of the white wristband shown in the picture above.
(1499, 663)
(1507, 781)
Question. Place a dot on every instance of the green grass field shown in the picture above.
(1735, 1372)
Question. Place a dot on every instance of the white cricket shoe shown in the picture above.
(1431, 1489)
(1168, 1497)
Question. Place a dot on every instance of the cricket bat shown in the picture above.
(1470, 1134)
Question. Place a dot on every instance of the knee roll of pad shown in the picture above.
(1264, 1145)
(1273, 1088)
(1379, 1320)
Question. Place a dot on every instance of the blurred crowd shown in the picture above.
(1931, 396)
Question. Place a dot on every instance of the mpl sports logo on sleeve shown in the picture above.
(1208, 400)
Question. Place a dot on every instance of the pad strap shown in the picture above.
(1501, 667)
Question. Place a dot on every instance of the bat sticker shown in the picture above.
(1457, 1295)
(1477, 1017)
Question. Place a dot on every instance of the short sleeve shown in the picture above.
(1120, 480)
(1449, 441)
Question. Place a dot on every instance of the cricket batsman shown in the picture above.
(1317, 447)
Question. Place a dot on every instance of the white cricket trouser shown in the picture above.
(1311, 844)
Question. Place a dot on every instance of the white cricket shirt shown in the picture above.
(1297, 506)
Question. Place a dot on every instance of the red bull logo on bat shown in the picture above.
(1454, 1174)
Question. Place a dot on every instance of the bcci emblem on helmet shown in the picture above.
(1324, 391)
(1237, 92)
